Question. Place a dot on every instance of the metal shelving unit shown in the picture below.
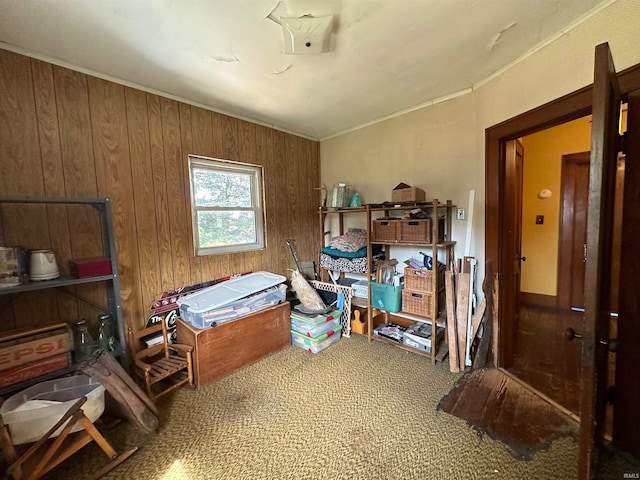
(113, 300)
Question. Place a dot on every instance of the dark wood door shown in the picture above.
(514, 158)
(626, 422)
(597, 287)
(573, 230)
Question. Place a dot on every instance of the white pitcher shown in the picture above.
(43, 265)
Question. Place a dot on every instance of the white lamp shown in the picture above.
(306, 35)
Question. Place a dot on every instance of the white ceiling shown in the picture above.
(387, 56)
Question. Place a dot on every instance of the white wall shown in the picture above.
(440, 148)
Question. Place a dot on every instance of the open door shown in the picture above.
(627, 383)
(597, 287)
(514, 158)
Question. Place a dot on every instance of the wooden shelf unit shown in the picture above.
(323, 213)
(446, 245)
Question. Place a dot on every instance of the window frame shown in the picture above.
(256, 173)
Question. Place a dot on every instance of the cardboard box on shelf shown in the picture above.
(406, 193)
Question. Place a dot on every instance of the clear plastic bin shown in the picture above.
(312, 345)
(360, 288)
(30, 413)
(311, 330)
(314, 319)
(259, 301)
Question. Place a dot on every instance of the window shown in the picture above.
(227, 206)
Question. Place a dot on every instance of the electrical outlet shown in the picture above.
(460, 214)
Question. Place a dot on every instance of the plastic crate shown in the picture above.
(385, 231)
(417, 303)
(315, 345)
(386, 297)
(360, 288)
(311, 330)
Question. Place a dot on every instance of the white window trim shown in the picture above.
(257, 195)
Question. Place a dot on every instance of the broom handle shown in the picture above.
(293, 253)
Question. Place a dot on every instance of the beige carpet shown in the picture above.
(354, 411)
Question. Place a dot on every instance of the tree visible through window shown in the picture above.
(226, 205)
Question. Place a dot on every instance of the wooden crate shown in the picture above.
(385, 231)
(20, 347)
(417, 303)
(30, 370)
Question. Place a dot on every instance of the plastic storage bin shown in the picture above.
(315, 319)
(386, 297)
(30, 413)
(221, 294)
(315, 345)
(311, 330)
(360, 288)
(220, 314)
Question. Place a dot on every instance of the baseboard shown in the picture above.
(538, 300)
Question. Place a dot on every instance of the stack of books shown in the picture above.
(315, 332)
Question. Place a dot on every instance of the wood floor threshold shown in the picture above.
(544, 397)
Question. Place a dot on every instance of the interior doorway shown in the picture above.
(498, 226)
(555, 188)
(553, 201)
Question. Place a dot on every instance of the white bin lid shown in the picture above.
(229, 291)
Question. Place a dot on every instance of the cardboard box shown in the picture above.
(90, 267)
(406, 193)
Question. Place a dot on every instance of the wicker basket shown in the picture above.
(417, 303)
(415, 231)
(418, 279)
(385, 231)
(421, 279)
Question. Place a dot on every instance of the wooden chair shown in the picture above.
(32, 461)
(162, 367)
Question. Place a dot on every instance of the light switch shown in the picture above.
(539, 219)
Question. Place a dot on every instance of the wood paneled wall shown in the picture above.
(64, 133)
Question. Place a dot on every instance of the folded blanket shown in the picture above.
(362, 252)
(352, 241)
(334, 252)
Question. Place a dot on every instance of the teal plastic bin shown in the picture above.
(386, 297)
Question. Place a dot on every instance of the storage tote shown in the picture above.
(315, 345)
(30, 413)
(311, 330)
(386, 297)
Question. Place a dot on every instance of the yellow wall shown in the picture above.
(441, 147)
(543, 153)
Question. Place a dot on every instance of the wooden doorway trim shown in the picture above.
(562, 110)
(573, 216)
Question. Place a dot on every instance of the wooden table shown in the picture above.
(221, 350)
